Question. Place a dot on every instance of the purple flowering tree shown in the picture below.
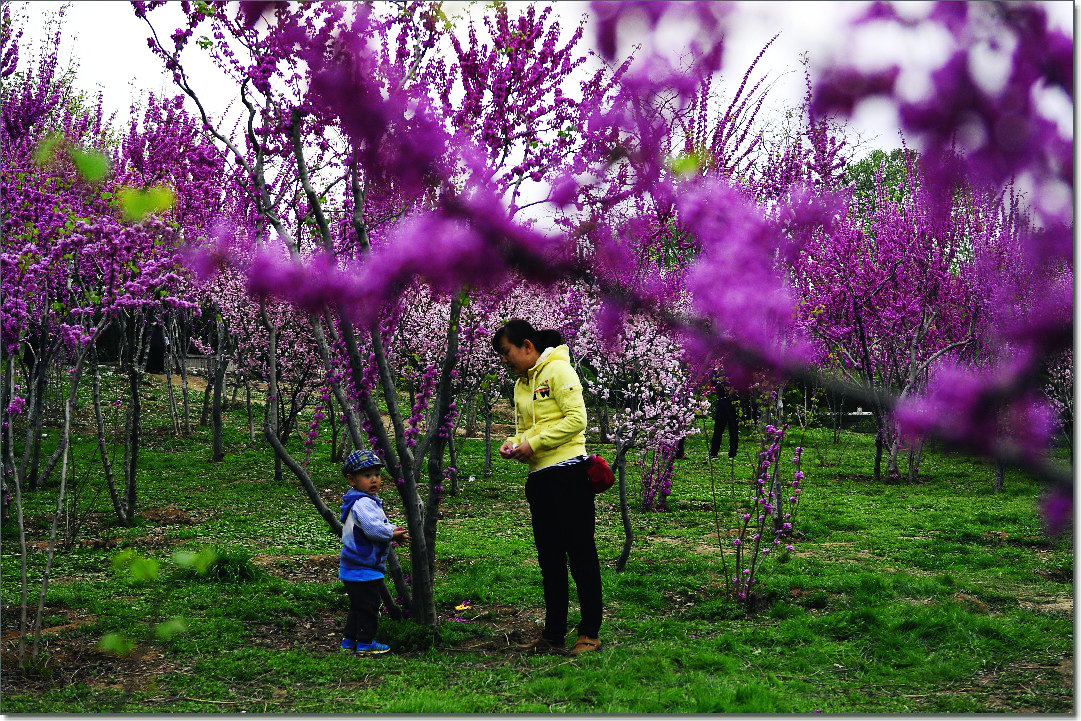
(887, 294)
(91, 241)
(345, 143)
(357, 116)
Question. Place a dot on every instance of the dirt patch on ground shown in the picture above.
(1048, 604)
(972, 603)
(80, 621)
(297, 569)
(70, 655)
(500, 631)
(95, 543)
(1057, 575)
(1051, 680)
(169, 516)
(824, 549)
(195, 383)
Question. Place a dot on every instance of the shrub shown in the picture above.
(227, 564)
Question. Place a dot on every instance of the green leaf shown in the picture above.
(137, 568)
(144, 569)
(92, 165)
(686, 164)
(175, 626)
(47, 150)
(137, 204)
(204, 42)
(116, 643)
(200, 561)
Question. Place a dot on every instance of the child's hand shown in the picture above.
(401, 536)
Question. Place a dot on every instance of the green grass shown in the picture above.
(935, 597)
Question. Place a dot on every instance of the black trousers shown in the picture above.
(724, 414)
(564, 519)
(363, 618)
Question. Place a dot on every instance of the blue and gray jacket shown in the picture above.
(366, 534)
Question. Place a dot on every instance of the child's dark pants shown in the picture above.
(363, 616)
(563, 514)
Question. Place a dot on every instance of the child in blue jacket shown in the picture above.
(366, 537)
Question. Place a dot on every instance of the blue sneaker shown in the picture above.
(371, 649)
(349, 645)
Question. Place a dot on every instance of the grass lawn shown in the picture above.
(933, 597)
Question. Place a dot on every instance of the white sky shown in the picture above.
(109, 44)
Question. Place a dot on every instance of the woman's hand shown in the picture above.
(522, 451)
(506, 450)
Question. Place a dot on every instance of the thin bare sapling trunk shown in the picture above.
(452, 451)
(174, 415)
(119, 507)
(20, 519)
(204, 415)
(487, 403)
(36, 418)
(436, 442)
(35, 411)
(622, 448)
(247, 403)
(180, 341)
(220, 365)
(65, 437)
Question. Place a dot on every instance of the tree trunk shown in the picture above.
(65, 436)
(394, 566)
(433, 445)
(106, 461)
(36, 421)
(893, 471)
(204, 415)
(180, 353)
(51, 552)
(624, 509)
(220, 365)
(134, 419)
(36, 410)
(604, 423)
(915, 453)
(174, 415)
(1000, 476)
(452, 448)
(281, 454)
(20, 520)
(247, 402)
(333, 417)
(487, 438)
(878, 456)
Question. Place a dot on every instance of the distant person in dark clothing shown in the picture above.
(724, 414)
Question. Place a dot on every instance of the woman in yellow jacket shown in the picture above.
(550, 423)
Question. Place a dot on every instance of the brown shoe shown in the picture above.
(585, 644)
(544, 645)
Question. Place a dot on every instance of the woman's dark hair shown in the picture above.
(518, 331)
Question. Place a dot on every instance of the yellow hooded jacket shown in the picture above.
(549, 411)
